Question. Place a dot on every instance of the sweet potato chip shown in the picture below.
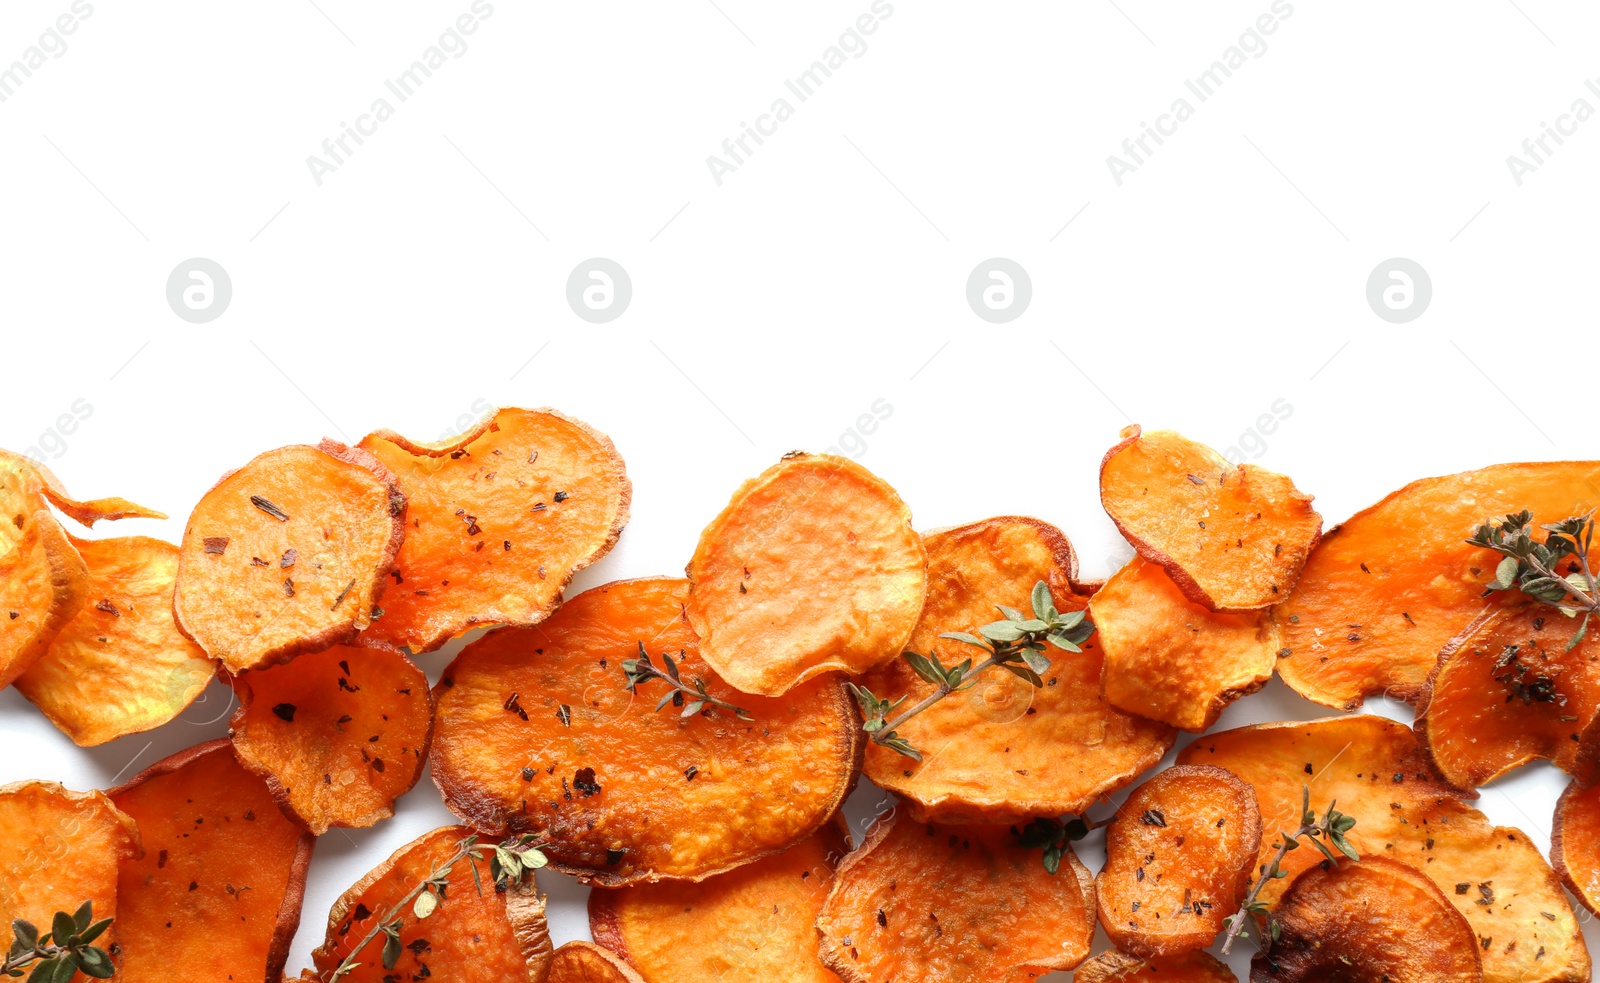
(1005, 750)
(750, 925)
(471, 936)
(1375, 771)
(1386, 590)
(1232, 537)
(59, 849)
(1170, 659)
(812, 567)
(1179, 858)
(217, 894)
(1373, 920)
(582, 962)
(919, 903)
(1575, 843)
(85, 512)
(288, 554)
(499, 520)
(43, 580)
(1119, 967)
(1506, 692)
(120, 666)
(538, 733)
(338, 735)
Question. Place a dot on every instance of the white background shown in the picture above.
(426, 275)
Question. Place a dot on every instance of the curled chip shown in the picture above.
(59, 849)
(1376, 773)
(43, 580)
(583, 962)
(1179, 857)
(499, 520)
(86, 512)
(1384, 592)
(920, 903)
(1119, 967)
(538, 732)
(1232, 537)
(1508, 691)
(754, 923)
(1170, 659)
(1575, 843)
(1373, 920)
(288, 554)
(120, 666)
(1004, 750)
(217, 894)
(493, 935)
(812, 567)
(338, 735)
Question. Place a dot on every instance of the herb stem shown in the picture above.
(940, 692)
(463, 850)
(1236, 923)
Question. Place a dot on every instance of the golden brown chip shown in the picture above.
(920, 903)
(1373, 920)
(1575, 843)
(1179, 858)
(582, 962)
(471, 936)
(121, 666)
(812, 567)
(217, 894)
(750, 925)
(1119, 967)
(1005, 750)
(87, 512)
(338, 735)
(499, 520)
(1170, 659)
(537, 732)
(1232, 537)
(1386, 590)
(43, 580)
(1375, 771)
(288, 554)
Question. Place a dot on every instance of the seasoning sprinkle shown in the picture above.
(269, 508)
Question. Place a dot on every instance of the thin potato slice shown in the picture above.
(750, 925)
(59, 849)
(338, 735)
(919, 903)
(1179, 858)
(1575, 843)
(1119, 967)
(217, 894)
(121, 666)
(1003, 750)
(1375, 771)
(1385, 591)
(43, 580)
(1232, 537)
(288, 554)
(583, 962)
(537, 733)
(812, 567)
(1172, 660)
(473, 936)
(1374, 920)
(1508, 692)
(499, 520)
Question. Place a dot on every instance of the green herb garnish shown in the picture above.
(1331, 827)
(1535, 568)
(642, 670)
(60, 954)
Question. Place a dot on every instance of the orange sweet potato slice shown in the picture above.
(59, 849)
(1119, 967)
(499, 520)
(813, 567)
(338, 735)
(1004, 750)
(920, 903)
(1385, 591)
(1232, 537)
(217, 894)
(86, 512)
(120, 666)
(1575, 843)
(1375, 771)
(492, 936)
(1179, 858)
(753, 924)
(1508, 691)
(43, 580)
(537, 733)
(584, 962)
(1170, 659)
(288, 554)
(1373, 920)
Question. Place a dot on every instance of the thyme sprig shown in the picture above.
(1534, 568)
(61, 953)
(642, 670)
(1015, 644)
(1055, 836)
(508, 860)
(1330, 828)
